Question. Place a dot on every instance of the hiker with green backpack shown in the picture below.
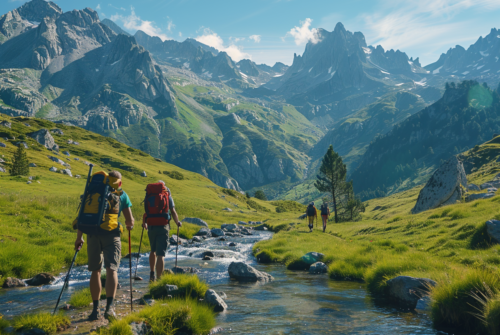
(99, 220)
(311, 214)
(159, 209)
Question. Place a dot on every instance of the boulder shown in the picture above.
(78, 176)
(56, 160)
(11, 282)
(197, 239)
(41, 279)
(492, 190)
(302, 217)
(3, 145)
(261, 227)
(32, 165)
(222, 238)
(66, 153)
(479, 196)
(227, 209)
(6, 124)
(232, 244)
(2, 170)
(216, 232)
(171, 289)
(407, 290)
(53, 169)
(181, 269)
(246, 273)
(76, 159)
(143, 174)
(443, 188)
(204, 232)
(207, 258)
(493, 230)
(139, 328)
(231, 227)
(28, 182)
(318, 267)
(27, 124)
(208, 253)
(486, 185)
(196, 221)
(174, 239)
(212, 298)
(424, 304)
(242, 223)
(44, 138)
(312, 257)
(473, 187)
(57, 131)
(67, 172)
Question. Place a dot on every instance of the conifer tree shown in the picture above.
(20, 164)
(331, 178)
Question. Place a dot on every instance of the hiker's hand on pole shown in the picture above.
(130, 226)
(145, 225)
(78, 243)
(179, 224)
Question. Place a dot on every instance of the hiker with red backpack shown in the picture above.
(102, 203)
(159, 208)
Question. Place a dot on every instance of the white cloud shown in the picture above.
(255, 38)
(304, 34)
(211, 38)
(98, 7)
(180, 34)
(236, 39)
(120, 8)
(400, 25)
(134, 23)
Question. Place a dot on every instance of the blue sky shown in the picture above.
(268, 31)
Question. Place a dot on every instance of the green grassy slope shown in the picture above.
(449, 245)
(35, 219)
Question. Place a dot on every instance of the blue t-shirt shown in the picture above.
(124, 202)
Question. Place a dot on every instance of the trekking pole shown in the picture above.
(130, 266)
(66, 279)
(138, 256)
(177, 249)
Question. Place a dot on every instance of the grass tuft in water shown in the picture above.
(47, 322)
(189, 286)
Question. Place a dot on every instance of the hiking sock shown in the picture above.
(152, 276)
(109, 303)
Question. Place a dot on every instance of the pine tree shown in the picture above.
(331, 178)
(20, 165)
(260, 195)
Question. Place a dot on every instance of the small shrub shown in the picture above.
(174, 175)
(256, 206)
(283, 206)
(260, 195)
(47, 322)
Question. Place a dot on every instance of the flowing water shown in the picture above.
(294, 303)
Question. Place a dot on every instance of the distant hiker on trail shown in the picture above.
(325, 213)
(311, 214)
(158, 205)
(103, 235)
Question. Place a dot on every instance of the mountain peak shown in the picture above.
(37, 10)
(339, 27)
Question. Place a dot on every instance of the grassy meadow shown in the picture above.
(35, 219)
(449, 245)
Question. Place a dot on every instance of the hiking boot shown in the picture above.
(151, 277)
(94, 316)
(110, 315)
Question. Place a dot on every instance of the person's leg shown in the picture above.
(94, 253)
(324, 217)
(112, 254)
(152, 254)
(161, 249)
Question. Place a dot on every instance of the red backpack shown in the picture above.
(156, 205)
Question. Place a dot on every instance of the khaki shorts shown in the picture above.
(104, 247)
(311, 219)
(158, 239)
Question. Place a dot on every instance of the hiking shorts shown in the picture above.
(158, 239)
(311, 219)
(107, 248)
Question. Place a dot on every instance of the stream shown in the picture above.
(294, 303)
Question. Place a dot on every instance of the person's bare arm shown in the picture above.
(175, 217)
(129, 219)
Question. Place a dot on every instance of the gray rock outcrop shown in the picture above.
(213, 299)
(408, 290)
(443, 188)
(473, 187)
(6, 124)
(67, 172)
(318, 267)
(231, 227)
(44, 137)
(196, 221)
(204, 232)
(174, 239)
(53, 169)
(246, 273)
(3, 145)
(312, 257)
(479, 196)
(493, 230)
(186, 269)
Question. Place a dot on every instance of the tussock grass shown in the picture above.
(169, 317)
(83, 298)
(47, 322)
(189, 286)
